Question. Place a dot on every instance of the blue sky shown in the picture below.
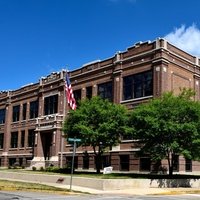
(38, 37)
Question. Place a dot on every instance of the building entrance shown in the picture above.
(46, 139)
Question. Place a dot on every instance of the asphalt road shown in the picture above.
(42, 196)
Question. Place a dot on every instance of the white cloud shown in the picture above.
(187, 39)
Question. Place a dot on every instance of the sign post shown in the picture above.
(74, 140)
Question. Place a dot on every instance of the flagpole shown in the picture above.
(64, 113)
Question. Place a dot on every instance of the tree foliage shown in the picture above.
(168, 126)
(98, 123)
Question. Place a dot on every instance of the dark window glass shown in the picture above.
(105, 91)
(31, 138)
(22, 138)
(20, 161)
(106, 161)
(77, 95)
(24, 111)
(2, 115)
(175, 162)
(16, 112)
(12, 161)
(33, 109)
(51, 105)
(145, 164)
(14, 140)
(127, 137)
(138, 85)
(86, 162)
(1, 140)
(124, 162)
(69, 161)
(188, 165)
(89, 92)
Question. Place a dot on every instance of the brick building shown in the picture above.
(31, 117)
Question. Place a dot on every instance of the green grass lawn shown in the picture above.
(23, 186)
(125, 175)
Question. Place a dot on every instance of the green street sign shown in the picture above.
(74, 140)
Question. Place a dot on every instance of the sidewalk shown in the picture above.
(51, 180)
(133, 191)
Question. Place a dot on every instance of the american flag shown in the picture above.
(69, 94)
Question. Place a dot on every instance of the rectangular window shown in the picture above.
(77, 95)
(12, 161)
(105, 161)
(145, 164)
(69, 161)
(2, 115)
(105, 91)
(175, 163)
(89, 92)
(86, 162)
(127, 137)
(188, 165)
(16, 113)
(1, 140)
(51, 105)
(124, 162)
(24, 111)
(20, 161)
(14, 140)
(34, 109)
(138, 85)
(31, 138)
(22, 138)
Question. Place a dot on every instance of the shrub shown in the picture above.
(41, 168)
(57, 169)
(34, 168)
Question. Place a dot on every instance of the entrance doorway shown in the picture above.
(46, 138)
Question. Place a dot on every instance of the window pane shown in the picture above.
(145, 164)
(14, 140)
(105, 91)
(106, 161)
(31, 138)
(16, 111)
(22, 138)
(176, 162)
(124, 162)
(12, 161)
(89, 92)
(148, 85)
(86, 161)
(2, 115)
(77, 95)
(33, 109)
(1, 140)
(51, 105)
(188, 165)
(24, 111)
(138, 85)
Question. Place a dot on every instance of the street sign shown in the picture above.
(74, 140)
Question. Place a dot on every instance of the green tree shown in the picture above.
(98, 123)
(168, 126)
